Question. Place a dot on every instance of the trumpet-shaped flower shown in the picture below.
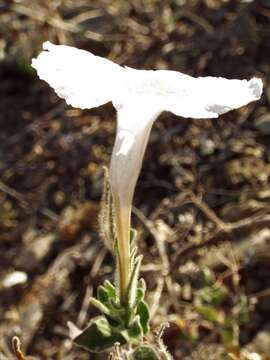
(139, 96)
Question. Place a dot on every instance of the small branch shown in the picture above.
(156, 298)
(55, 21)
(165, 355)
(260, 294)
(84, 308)
(16, 344)
(24, 203)
(233, 231)
(13, 193)
(196, 19)
(160, 237)
(209, 213)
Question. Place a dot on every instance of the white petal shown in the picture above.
(184, 95)
(85, 80)
(81, 78)
(209, 97)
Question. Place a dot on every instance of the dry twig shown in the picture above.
(16, 344)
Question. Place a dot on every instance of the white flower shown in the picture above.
(139, 96)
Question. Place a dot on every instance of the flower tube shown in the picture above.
(126, 161)
(139, 96)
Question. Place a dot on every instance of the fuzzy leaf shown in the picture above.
(110, 289)
(143, 312)
(145, 352)
(141, 290)
(99, 336)
(100, 306)
(134, 333)
(102, 295)
(115, 313)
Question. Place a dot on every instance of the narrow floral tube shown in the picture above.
(125, 166)
(139, 96)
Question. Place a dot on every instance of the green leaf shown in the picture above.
(99, 336)
(145, 352)
(214, 295)
(110, 289)
(134, 333)
(100, 306)
(228, 337)
(102, 295)
(207, 277)
(211, 314)
(112, 311)
(117, 315)
(132, 235)
(143, 312)
(141, 290)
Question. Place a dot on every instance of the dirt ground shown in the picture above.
(202, 203)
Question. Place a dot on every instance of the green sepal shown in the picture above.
(132, 235)
(99, 336)
(133, 283)
(133, 257)
(106, 218)
(144, 352)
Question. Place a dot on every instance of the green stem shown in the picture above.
(122, 219)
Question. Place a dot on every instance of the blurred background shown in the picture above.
(202, 204)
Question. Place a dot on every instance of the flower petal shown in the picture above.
(81, 78)
(203, 97)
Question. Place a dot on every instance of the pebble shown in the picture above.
(14, 278)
